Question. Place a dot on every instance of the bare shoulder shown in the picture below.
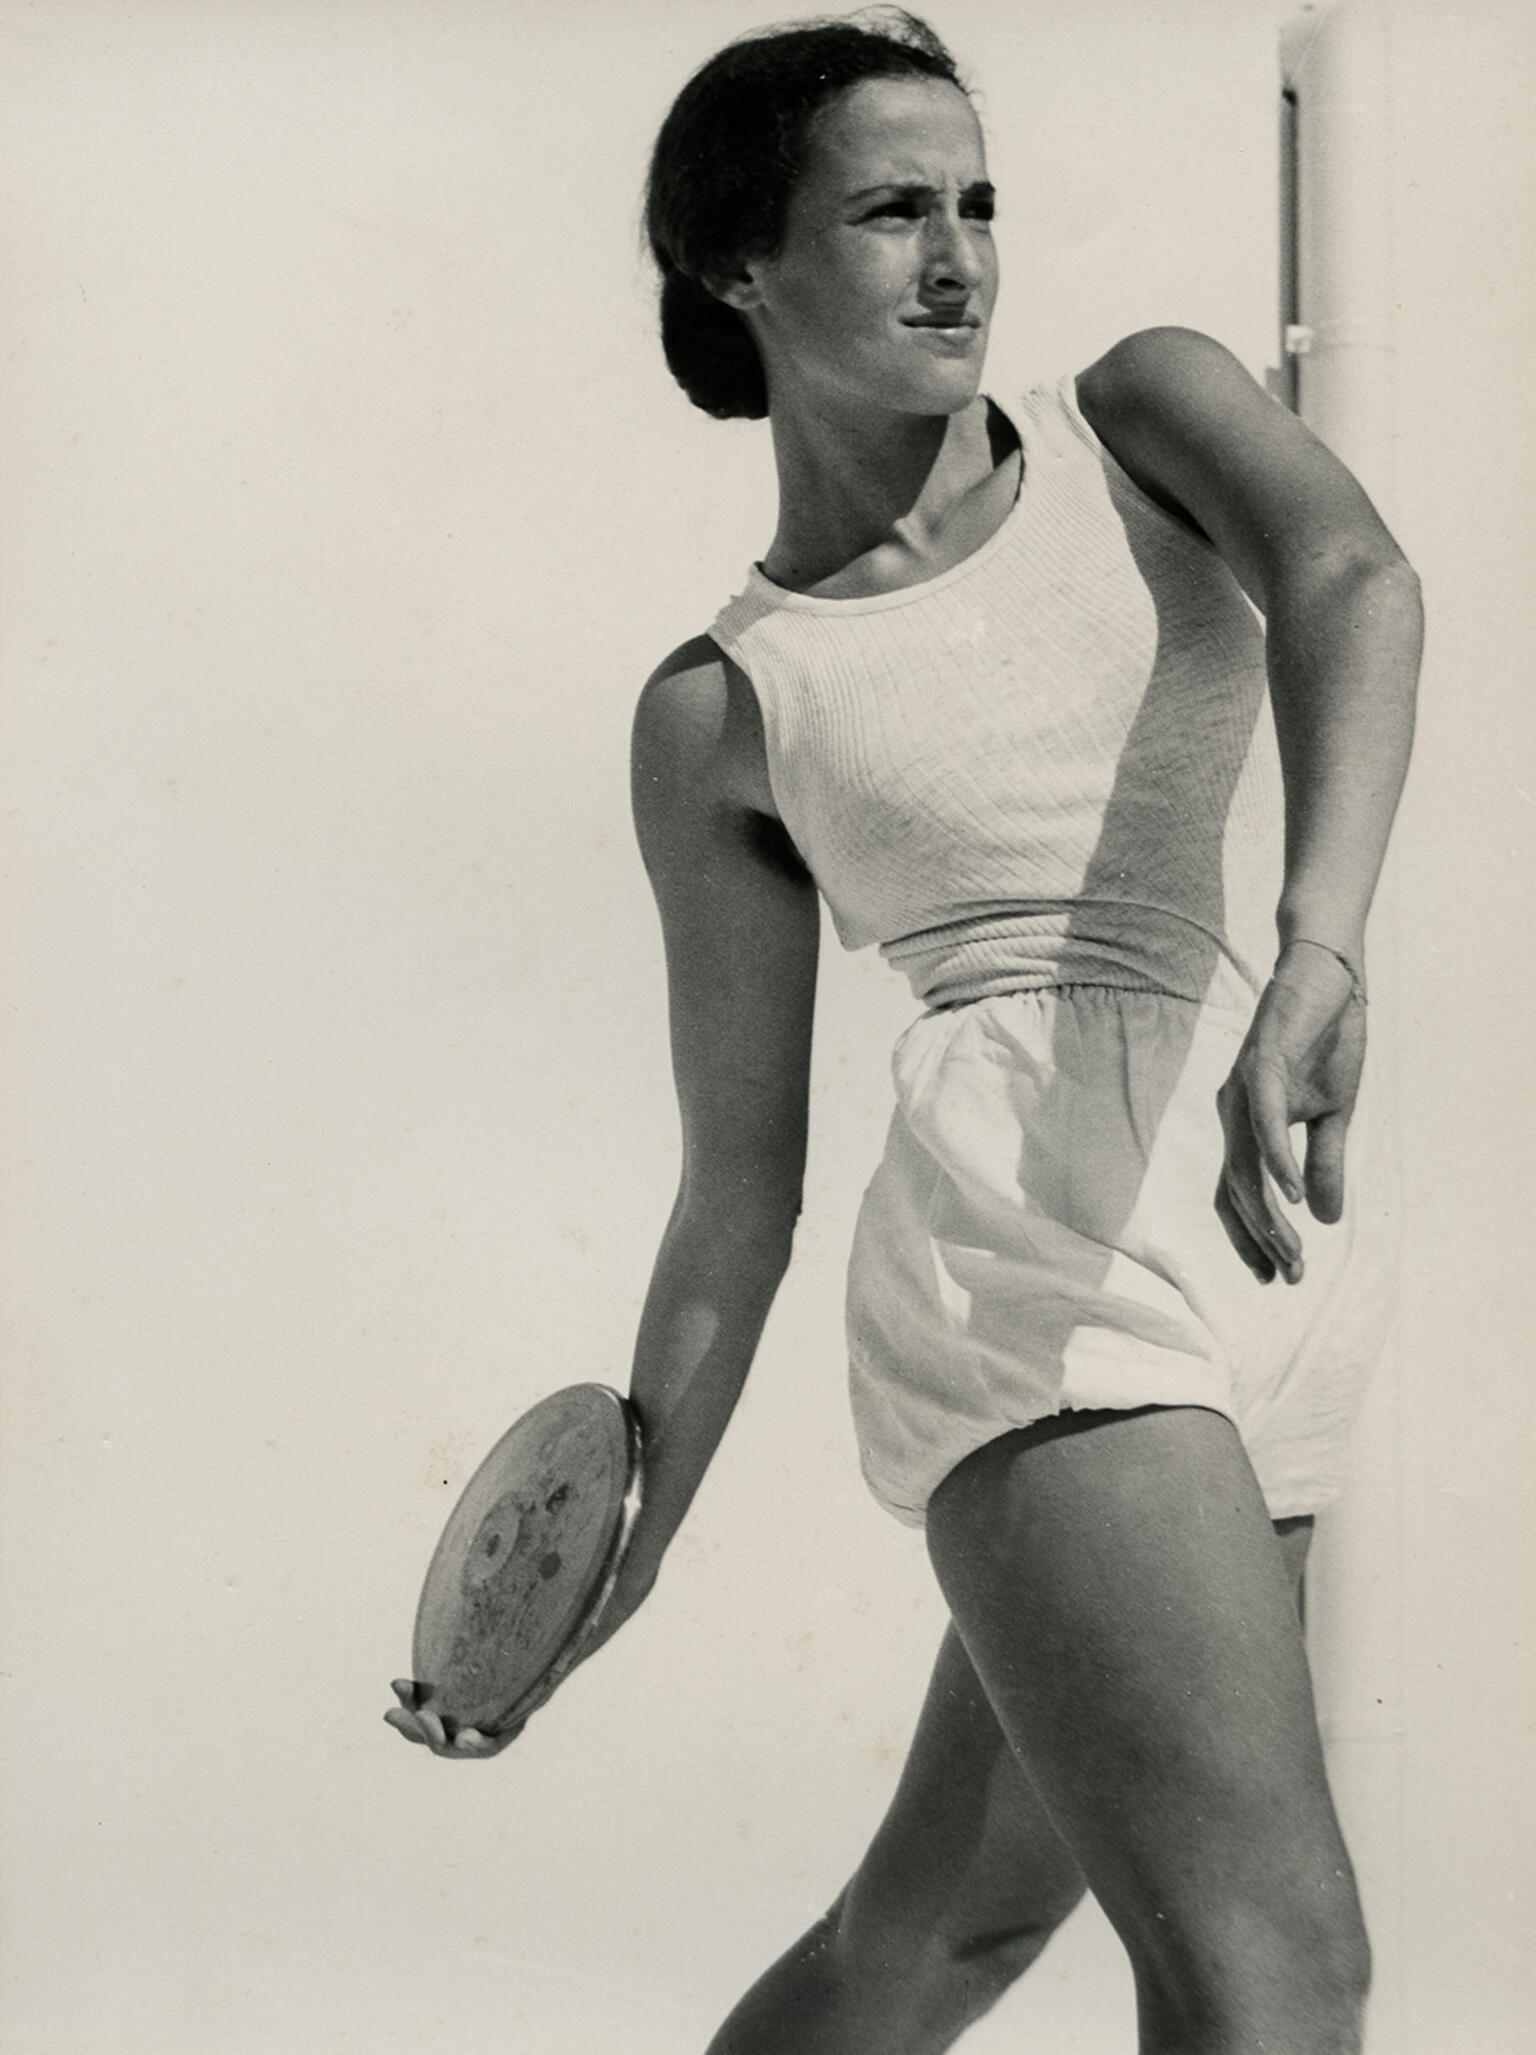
(1158, 393)
(684, 702)
(1180, 413)
(697, 744)
(1164, 369)
(1166, 397)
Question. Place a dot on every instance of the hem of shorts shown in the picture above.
(917, 1516)
(1281, 1503)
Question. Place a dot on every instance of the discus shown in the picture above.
(528, 1560)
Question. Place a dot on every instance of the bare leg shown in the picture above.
(958, 1894)
(960, 1890)
(1119, 1589)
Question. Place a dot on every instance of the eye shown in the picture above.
(980, 209)
(899, 210)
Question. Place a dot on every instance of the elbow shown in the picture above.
(752, 1210)
(1392, 600)
(1369, 570)
(1350, 590)
(768, 1220)
(1387, 597)
(1397, 582)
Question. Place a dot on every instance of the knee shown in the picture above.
(954, 1970)
(993, 1954)
(1326, 1959)
(979, 1969)
(1300, 1970)
(1338, 1958)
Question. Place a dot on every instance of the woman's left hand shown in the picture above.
(1300, 1063)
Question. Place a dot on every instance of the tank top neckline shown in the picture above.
(785, 596)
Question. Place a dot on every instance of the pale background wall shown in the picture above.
(347, 504)
(1463, 82)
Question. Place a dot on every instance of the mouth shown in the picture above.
(951, 335)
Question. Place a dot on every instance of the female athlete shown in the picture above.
(996, 691)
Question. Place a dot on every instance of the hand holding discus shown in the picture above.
(524, 1583)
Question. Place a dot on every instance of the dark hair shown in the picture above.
(724, 166)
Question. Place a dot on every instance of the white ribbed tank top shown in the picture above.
(1051, 764)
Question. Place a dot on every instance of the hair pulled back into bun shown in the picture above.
(710, 351)
(725, 164)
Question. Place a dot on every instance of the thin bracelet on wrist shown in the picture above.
(1356, 982)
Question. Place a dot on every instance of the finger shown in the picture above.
(1284, 1242)
(1249, 1192)
(1248, 1189)
(1325, 1166)
(1241, 1240)
(1269, 1114)
(408, 1691)
(433, 1731)
(404, 1723)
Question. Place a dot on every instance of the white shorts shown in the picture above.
(1040, 1236)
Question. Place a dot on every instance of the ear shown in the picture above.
(742, 288)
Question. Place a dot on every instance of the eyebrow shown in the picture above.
(980, 189)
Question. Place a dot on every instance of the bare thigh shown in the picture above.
(967, 1859)
(959, 1891)
(1119, 1589)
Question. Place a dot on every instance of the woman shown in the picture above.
(996, 692)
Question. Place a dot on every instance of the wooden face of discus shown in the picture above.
(524, 1553)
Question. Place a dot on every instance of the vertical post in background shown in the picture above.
(1337, 311)
(1285, 384)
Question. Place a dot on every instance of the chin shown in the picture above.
(899, 386)
(936, 389)
(950, 395)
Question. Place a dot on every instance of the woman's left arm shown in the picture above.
(1344, 631)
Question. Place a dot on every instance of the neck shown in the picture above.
(848, 484)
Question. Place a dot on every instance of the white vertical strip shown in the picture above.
(1335, 61)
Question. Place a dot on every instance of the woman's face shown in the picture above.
(882, 290)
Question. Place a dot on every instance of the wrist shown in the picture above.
(1353, 966)
(1334, 922)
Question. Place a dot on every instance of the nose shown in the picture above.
(954, 260)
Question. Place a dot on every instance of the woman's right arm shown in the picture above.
(741, 926)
